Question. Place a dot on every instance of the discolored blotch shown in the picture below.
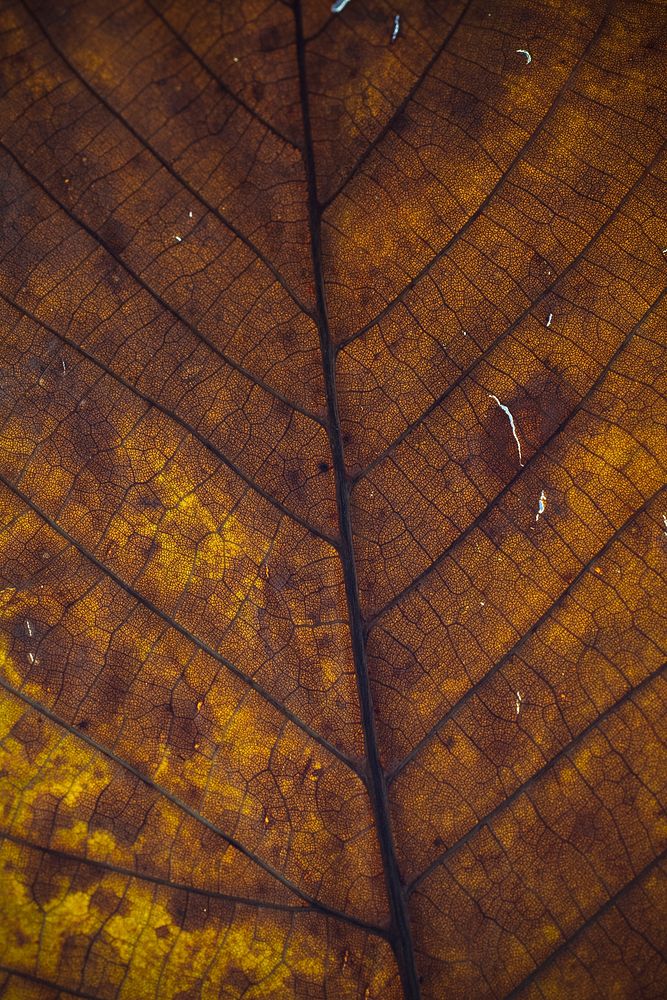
(189, 911)
(29, 732)
(105, 901)
(483, 222)
(271, 39)
(116, 235)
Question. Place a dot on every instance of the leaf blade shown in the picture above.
(331, 533)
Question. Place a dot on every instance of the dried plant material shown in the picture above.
(332, 603)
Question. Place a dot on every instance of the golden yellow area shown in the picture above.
(139, 930)
(7, 666)
(153, 940)
(191, 545)
(97, 66)
(66, 769)
(158, 965)
(488, 183)
(10, 713)
(61, 768)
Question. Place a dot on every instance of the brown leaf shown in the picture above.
(333, 521)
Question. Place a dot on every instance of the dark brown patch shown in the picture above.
(270, 39)
(116, 235)
(104, 901)
(189, 911)
(30, 732)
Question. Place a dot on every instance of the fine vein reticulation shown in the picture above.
(332, 500)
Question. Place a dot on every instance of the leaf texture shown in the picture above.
(332, 500)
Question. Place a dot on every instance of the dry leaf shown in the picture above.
(332, 468)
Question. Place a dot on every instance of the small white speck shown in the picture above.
(526, 53)
(190, 215)
(509, 416)
(664, 521)
(29, 629)
(519, 699)
(465, 333)
(235, 59)
(338, 5)
(31, 658)
(542, 505)
(179, 239)
(664, 252)
(396, 28)
(550, 319)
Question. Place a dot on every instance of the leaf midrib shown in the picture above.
(400, 932)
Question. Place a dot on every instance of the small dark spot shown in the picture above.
(43, 816)
(83, 725)
(84, 877)
(151, 502)
(116, 235)
(147, 547)
(188, 912)
(46, 882)
(116, 679)
(194, 992)
(438, 842)
(323, 466)
(269, 39)
(29, 731)
(162, 931)
(294, 476)
(402, 123)
(105, 901)
(281, 408)
(355, 56)
(182, 734)
(539, 266)
(408, 672)
(258, 91)
(467, 112)
(21, 939)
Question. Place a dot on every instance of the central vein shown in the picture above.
(400, 933)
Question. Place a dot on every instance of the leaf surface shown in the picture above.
(332, 500)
